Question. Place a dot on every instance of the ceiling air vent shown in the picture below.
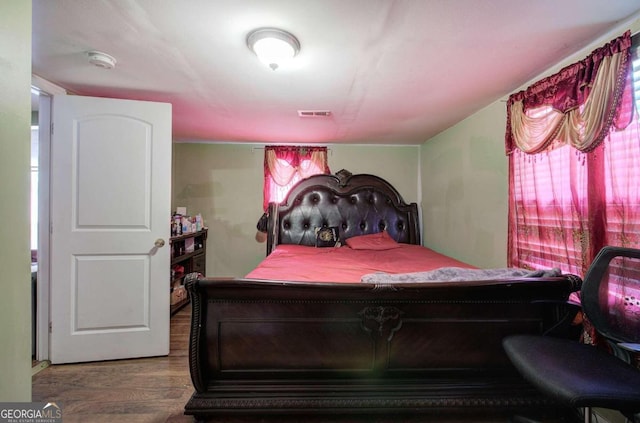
(314, 113)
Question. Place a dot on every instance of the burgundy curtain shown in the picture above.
(572, 141)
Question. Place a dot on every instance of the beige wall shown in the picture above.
(464, 189)
(15, 136)
(224, 182)
(397, 164)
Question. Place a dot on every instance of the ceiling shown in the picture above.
(390, 72)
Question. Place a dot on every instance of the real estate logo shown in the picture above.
(30, 412)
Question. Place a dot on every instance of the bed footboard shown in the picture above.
(267, 347)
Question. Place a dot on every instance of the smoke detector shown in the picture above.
(101, 60)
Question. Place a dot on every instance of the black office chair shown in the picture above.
(585, 376)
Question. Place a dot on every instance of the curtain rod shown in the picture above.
(303, 146)
(292, 145)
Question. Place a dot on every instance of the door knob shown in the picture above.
(159, 243)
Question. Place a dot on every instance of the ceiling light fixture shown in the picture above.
(101, 60)
(273, 46)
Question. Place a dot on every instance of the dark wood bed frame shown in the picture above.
(279, 348)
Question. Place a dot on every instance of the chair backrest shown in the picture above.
(611, 294)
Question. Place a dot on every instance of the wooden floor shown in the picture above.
(155, 390)
(132, 391)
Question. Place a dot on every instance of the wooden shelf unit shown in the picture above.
(188, 254)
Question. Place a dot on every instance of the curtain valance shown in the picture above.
(578, 105)
(283, 162)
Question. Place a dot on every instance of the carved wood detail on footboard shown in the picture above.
(284, 347)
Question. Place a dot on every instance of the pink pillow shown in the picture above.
(379, 241)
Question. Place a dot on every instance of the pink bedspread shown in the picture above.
(343, 264)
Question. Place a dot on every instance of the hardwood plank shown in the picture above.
(136, 391)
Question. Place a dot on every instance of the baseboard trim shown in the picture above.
(39, 366)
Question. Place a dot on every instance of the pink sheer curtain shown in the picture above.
(284, 166)
(573, 146)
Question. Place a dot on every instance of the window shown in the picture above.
(560, 205)
(566, 204)
(284, 166)
(277, 193)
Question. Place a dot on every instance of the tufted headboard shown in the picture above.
(356, 204)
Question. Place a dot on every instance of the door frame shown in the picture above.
(43, 278)
(46, 92)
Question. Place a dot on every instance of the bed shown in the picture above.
(403, 329)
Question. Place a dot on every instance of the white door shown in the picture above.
(110, 212)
